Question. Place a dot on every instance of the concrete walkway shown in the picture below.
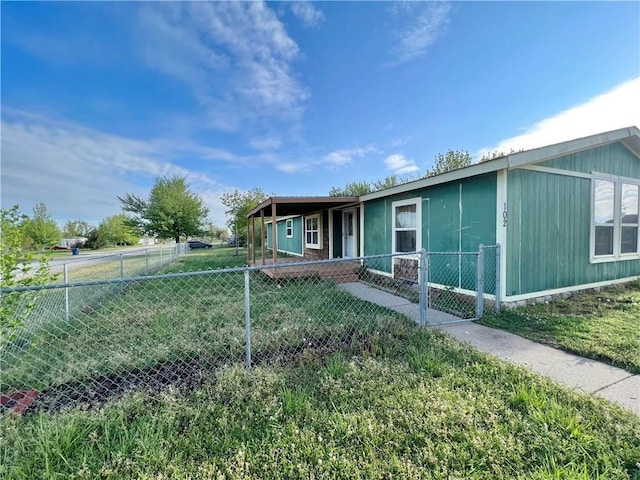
(589, 376)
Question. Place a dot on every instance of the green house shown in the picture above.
(565, 217)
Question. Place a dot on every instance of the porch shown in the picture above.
(297, 268)
(309, 228)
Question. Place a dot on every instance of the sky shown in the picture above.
(98, 99)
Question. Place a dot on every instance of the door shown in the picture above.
(348, 233)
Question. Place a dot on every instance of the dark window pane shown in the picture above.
(604, 240)
(406, 241)
(629, 240)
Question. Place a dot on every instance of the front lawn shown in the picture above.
(419, 406)
(339, 388)
(602, 325)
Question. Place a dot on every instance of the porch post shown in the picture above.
(262, 235)
(331, 233)
(274, 233)
(253, 240)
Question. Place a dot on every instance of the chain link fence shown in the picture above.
(86, 342)
(131, 263)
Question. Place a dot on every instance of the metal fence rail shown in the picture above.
(89, 341)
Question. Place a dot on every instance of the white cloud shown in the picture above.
(617, 108)
(400, 165)
(235, 57)
(79, 172)
(266, 143)
(307, 13)
(339, 158)
(399, 142)
(292, 167)
(428, 21)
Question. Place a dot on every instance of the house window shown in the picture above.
(406, 225)
(312, 231)
(629, 218)
(615, 233)
(289, 227)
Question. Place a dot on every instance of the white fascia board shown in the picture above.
(280, 219)
(573, 288)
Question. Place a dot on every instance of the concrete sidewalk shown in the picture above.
(589, 376)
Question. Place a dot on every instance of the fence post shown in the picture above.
(146, 261)
(247, 317)
(498, 302)
(480, 283)
(424, 289)
(160, 256)
(65, 276)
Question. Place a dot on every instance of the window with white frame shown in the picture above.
(407, 225)
(615, 208)
(289, 228)
(312, 231)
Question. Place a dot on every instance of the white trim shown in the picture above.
(315, 246)
(361, 231)
(464, 291)
(617, 255)
(286, 228)
(555, 171)
(295, 254)
(354, 225)
(556, 291)
(380, 272)
(417, 201)
(502, 222)
(280, 219)
(542, 154)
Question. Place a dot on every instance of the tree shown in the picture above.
(42, 228)
(76, 228)
(356, 189)
(115, 230)
(171, 211)
(17, 270)
(218, 233)
(238, 206)
(497, 154)
(452, 160)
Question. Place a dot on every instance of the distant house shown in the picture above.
(565, 216)
(72, 242)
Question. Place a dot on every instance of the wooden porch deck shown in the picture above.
(341, 272)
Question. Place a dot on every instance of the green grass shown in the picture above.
(602, 325)
(418, 406)
(340, 389)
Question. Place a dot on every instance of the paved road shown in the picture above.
(93, 257)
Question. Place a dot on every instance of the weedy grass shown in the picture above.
(382, 414)
(340, 389)
(602, 325)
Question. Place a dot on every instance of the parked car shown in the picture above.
(198, 244)
(231, 241)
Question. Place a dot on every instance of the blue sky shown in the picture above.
(98, 99)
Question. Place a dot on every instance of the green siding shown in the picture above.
(454, 215)
(614, 159)
(549, 221)
(290, 245)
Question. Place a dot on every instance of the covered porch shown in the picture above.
(304, 229)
